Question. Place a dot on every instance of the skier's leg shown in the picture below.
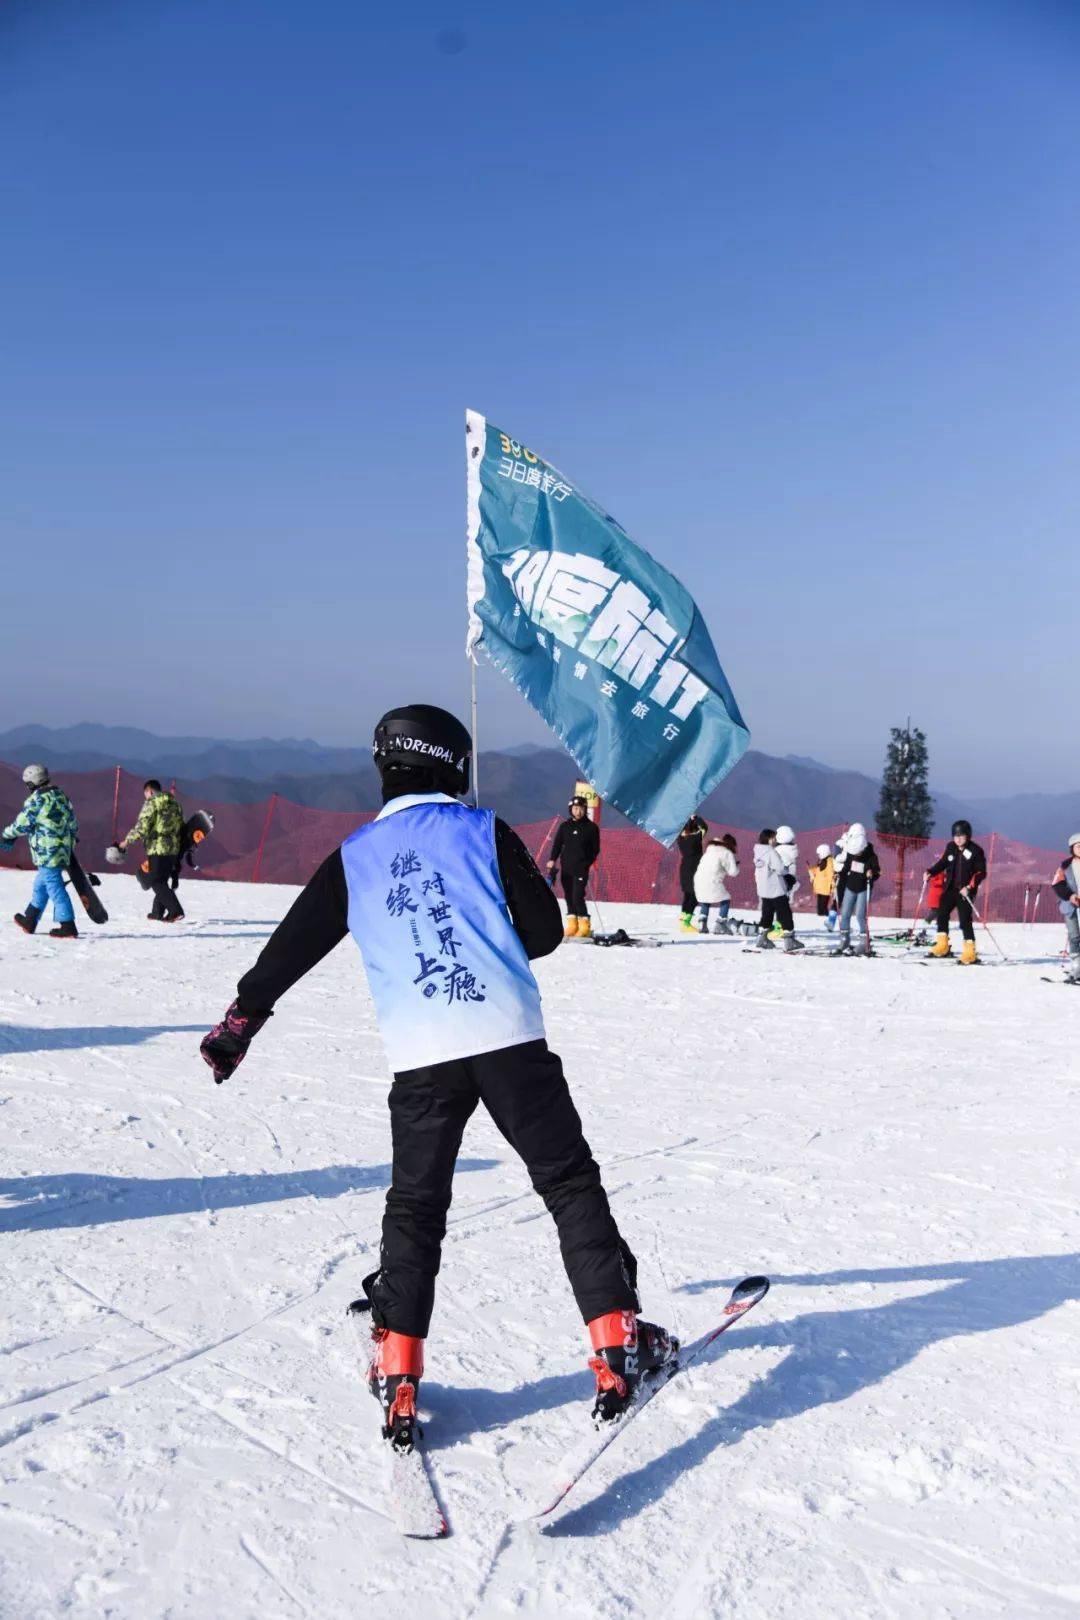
(569, 896)
(847, 906)
(525, 1092)
(158, 887)
(429, 1109)
(172, 888)
(63, 911)
(1072, 935)
(965, 917)
(944, 911)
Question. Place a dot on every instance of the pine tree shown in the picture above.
(906, 808)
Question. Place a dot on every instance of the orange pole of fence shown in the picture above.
(116, 808)
(262, 840)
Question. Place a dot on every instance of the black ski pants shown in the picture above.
(777, 911)
(952, 900)
(162, 871)
(687, 870)
(525, 1092)
(573, 887)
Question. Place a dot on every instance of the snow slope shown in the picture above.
(894, 1432)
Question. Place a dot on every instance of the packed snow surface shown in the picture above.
(894, 1431)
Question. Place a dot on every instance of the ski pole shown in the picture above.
(1035, 907)
(978, 918)
(918, 909)
(1027, 897)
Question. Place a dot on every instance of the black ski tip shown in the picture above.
(358, 1307)
(749, 1291)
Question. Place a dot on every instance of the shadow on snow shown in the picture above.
(23, 1038)
(44, 1202)
(832, 1355)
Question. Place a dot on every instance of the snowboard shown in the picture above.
(84, 884)
(197, 828)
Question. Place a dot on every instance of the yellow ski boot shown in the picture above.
(584, 928)
(969, 956)
(941, 946)
(571, 928)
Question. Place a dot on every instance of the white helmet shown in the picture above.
(784, 835)
(855, 837)
(1074, 839)
(35, 776)
(823, 851)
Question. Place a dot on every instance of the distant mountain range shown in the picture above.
(524, 783)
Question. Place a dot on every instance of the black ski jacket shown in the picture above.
(318, 919)
(856, 872)
(576, 846)
(691, 842)
(963, 868)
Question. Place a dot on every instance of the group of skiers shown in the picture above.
(842, 879)
(50, 826)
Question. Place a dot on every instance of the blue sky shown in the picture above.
(790, 289)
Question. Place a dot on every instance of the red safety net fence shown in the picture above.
(276, 841)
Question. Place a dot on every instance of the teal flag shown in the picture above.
(608, 647)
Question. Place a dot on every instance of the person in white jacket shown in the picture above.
(788, 851)
(770, 878)
(719, 862)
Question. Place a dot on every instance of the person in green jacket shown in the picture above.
(50, 826)
(161, 828)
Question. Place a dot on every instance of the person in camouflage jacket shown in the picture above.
(161, 828)
(50, 826)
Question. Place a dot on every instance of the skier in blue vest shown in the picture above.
(448, 907)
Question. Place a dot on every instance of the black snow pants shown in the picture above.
(952, 900)
(163, 869)
(525, 1092)
(777, 911)
(573, 887)
(687, 870)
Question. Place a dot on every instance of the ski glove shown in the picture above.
(227, 1043)
(114, 855)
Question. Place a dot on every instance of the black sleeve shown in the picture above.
(316, 921)
(978, 865)
(556, 848)
(1061, 889)
(938, 866)
(594, 842)
(873, 867)
(534, 910)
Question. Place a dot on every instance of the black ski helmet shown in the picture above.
(421, 737)
(962, 827)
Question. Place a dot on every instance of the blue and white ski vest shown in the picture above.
(448, 974)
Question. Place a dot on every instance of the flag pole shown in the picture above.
(475, 754)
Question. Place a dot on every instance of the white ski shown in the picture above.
(410, 1492)
(743, 1298)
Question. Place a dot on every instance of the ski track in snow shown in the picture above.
(894, 1432)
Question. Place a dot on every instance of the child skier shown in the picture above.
(718, 863)
(963, 865)
(1067, 888)
(770, 879)
(448, 907)
(161, 828)
(576, 847)
(823, 881)
(691, 844)
(857, 870)
(48, 822)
